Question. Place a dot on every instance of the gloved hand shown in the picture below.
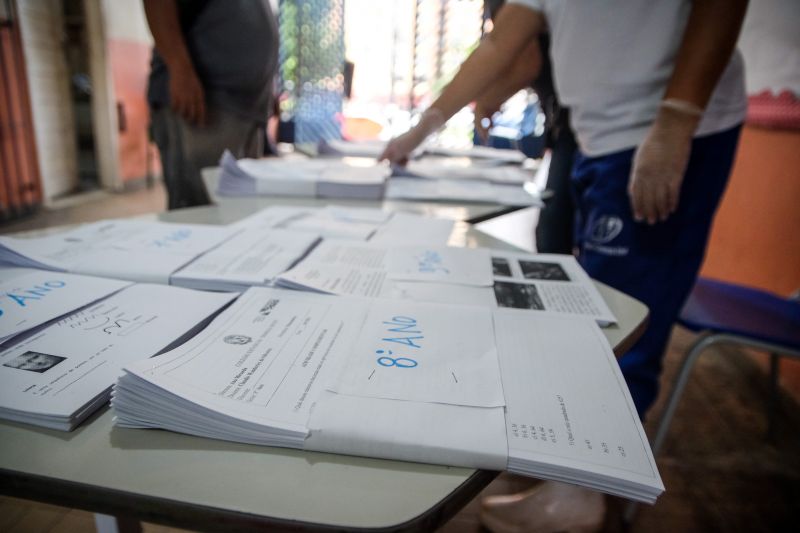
(660, 161)
(400, 148)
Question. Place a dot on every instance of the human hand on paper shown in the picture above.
(399, 149)
(660, 162)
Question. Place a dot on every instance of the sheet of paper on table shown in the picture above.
(61, 373)
(355, 269)
(252, 257)
(319, 221)
(548, 283)
(135, 250)
(554, 283)
(30, 298)
(412, 229)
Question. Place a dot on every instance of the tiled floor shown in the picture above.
(720, 472)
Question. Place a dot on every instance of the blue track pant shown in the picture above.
(655, 264)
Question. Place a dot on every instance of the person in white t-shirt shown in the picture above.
(656, 96)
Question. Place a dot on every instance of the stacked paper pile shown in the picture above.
(59, 373)
(538, 394)
(322, 178)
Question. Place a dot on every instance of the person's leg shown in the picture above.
(198, 147)
(166, 131)
(554, 231)
(656, 264)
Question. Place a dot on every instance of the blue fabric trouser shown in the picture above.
(655, 264)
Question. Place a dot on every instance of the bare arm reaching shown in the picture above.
(515, 27)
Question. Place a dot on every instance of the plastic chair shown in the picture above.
(726, 313)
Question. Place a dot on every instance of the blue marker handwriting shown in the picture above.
(175, 237)
(431, 262)
(20, 297)
(403, 330)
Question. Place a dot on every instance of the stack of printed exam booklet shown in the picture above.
(66, 338)
(539, 395)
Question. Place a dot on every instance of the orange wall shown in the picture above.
(130, 66)
(756, 236)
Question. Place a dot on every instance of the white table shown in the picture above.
(197, 483)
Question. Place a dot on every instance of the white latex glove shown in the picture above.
(400, 148)
(660, 162)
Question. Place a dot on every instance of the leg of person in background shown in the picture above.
(167, 136)
(555, 228)
(186, 149)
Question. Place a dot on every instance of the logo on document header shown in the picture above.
(237, 339)
(268, 307)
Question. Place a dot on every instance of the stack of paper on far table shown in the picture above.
(353, 223)
(58, 375)
(30, 298)
(315, 178)
(456, 385)
(135, 250)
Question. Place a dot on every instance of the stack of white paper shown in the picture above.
(135, 250)
(30, 298)
(461, 169)
(257, 372)
(353, 223)
(569, 415)
(500, 155)
(318, 221)
(251, 376)
(458, 385)
(323, 178)
(344, 268)
(60, 374)
(421, 189)
(336, 147)
(253, 257)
